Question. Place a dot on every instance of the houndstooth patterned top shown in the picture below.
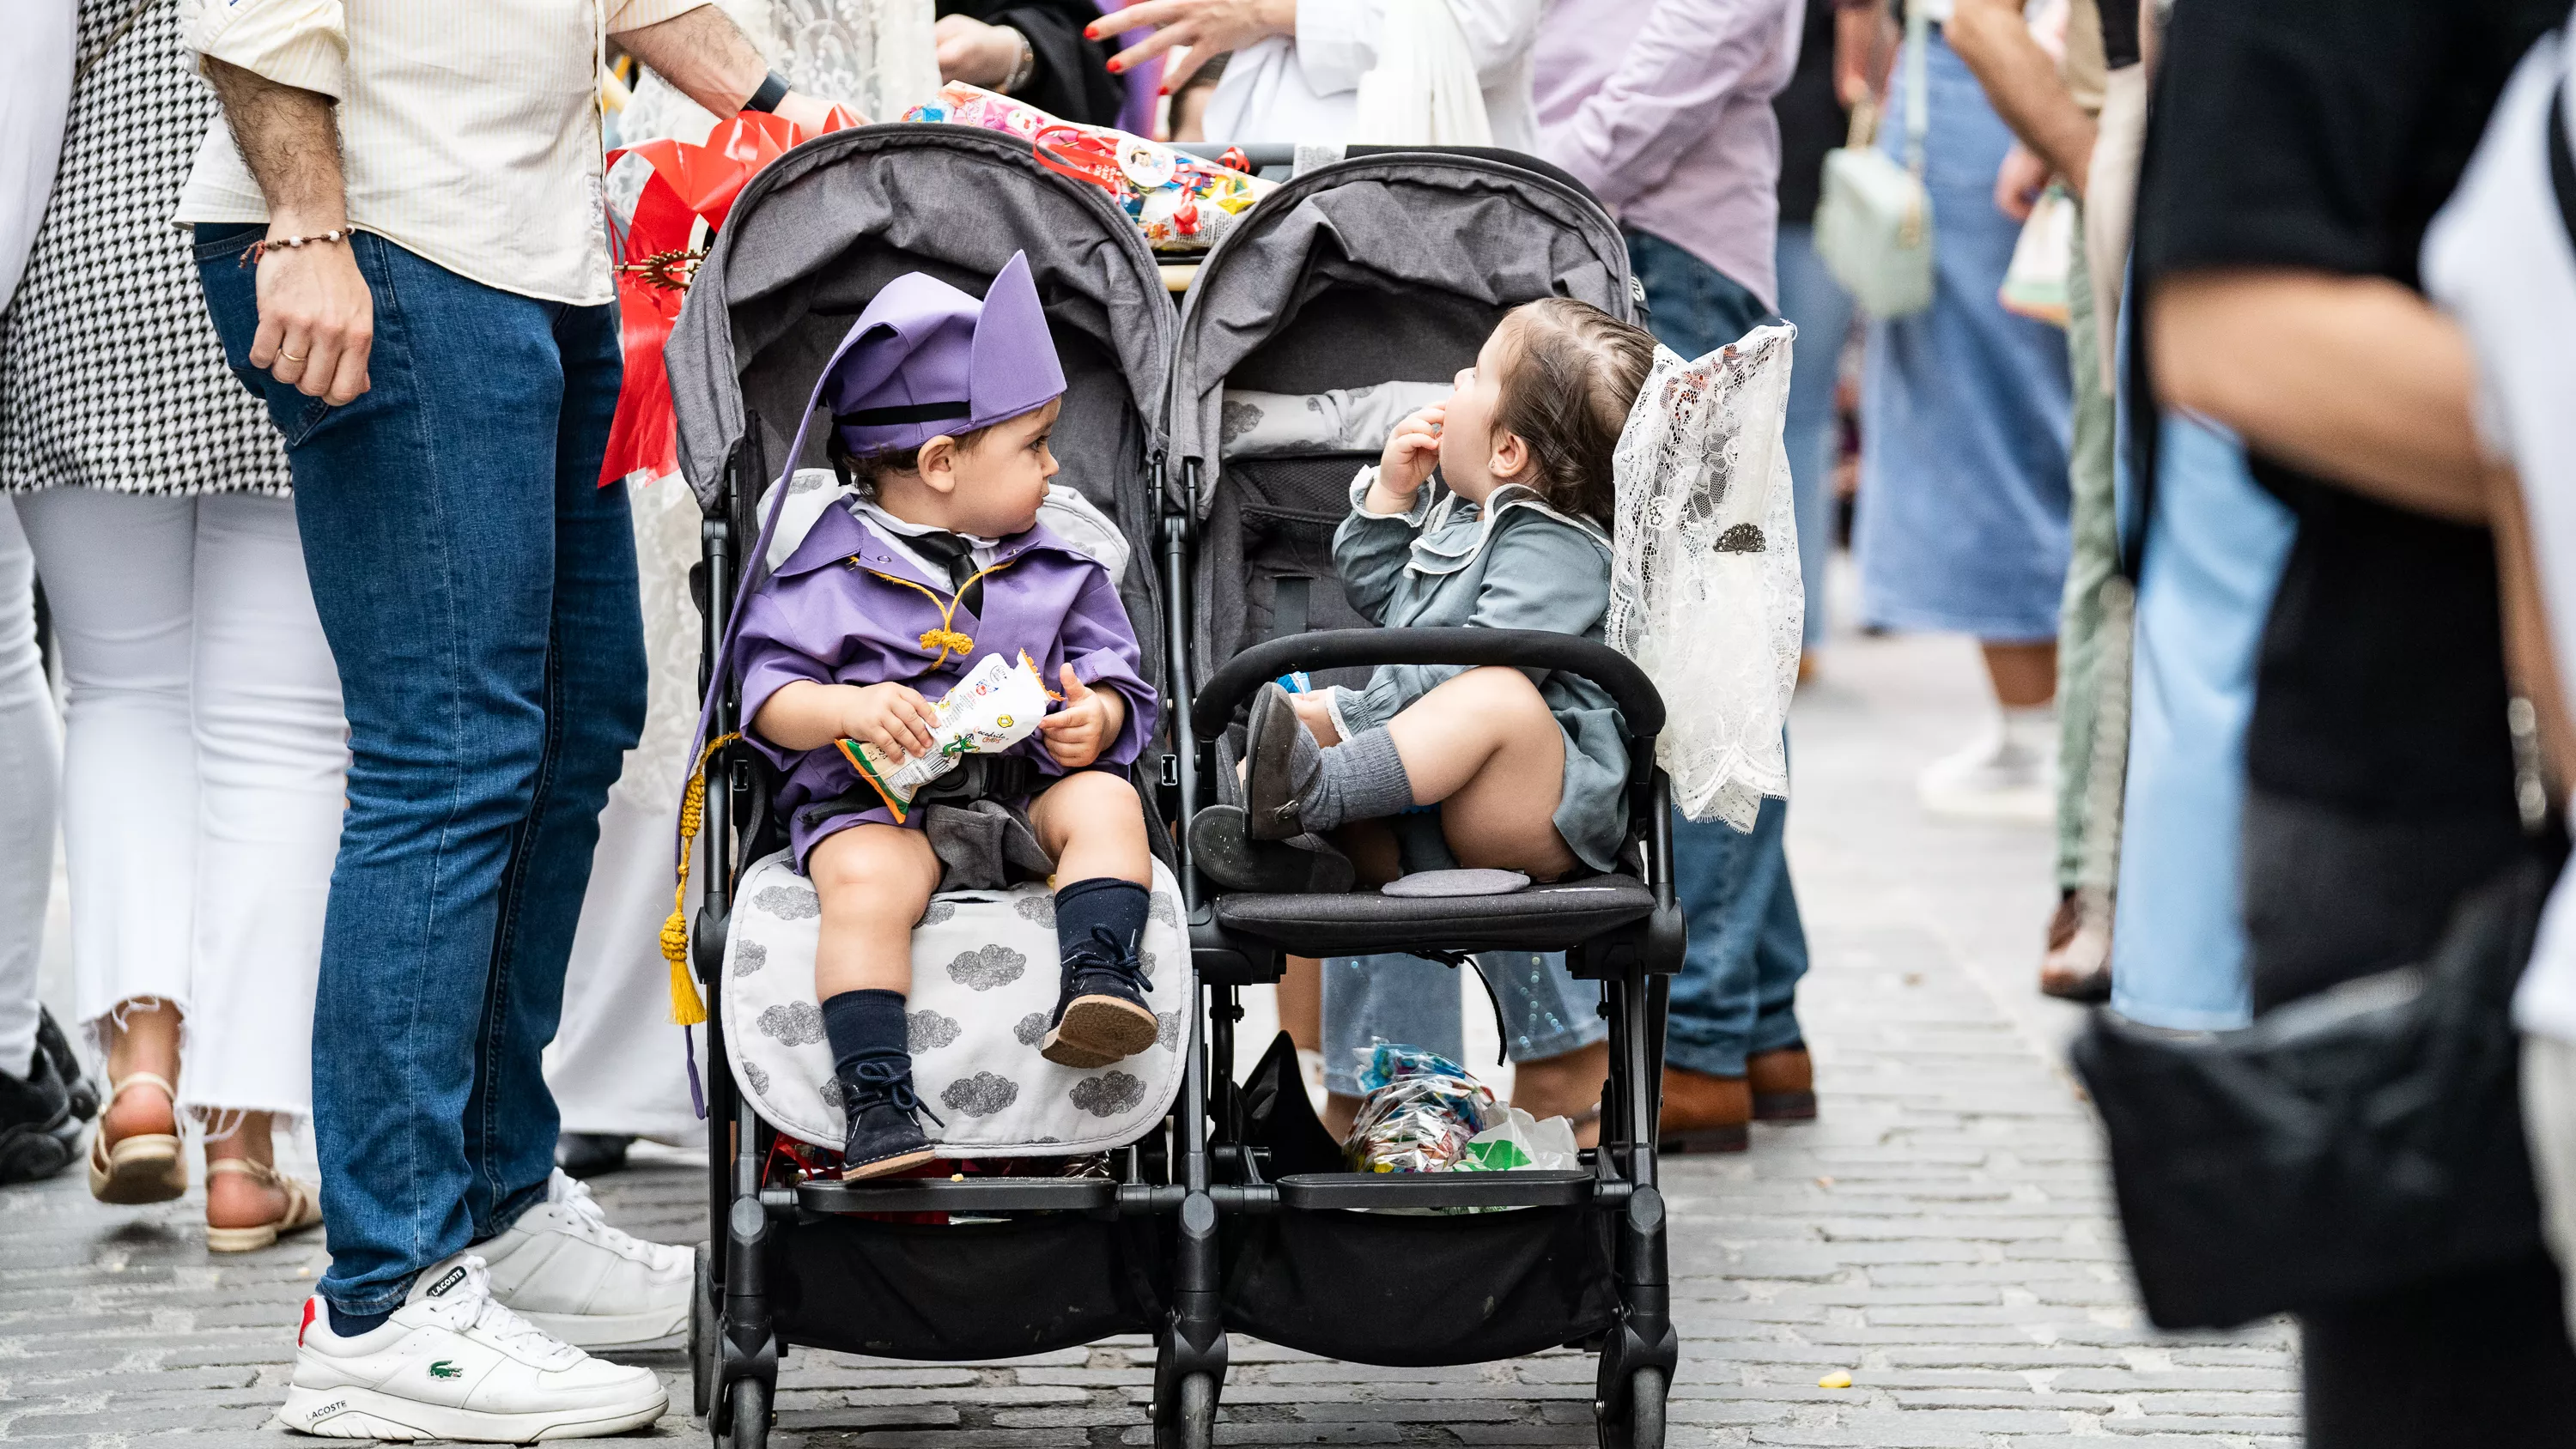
(110, 373)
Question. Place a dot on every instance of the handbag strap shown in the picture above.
(1918, 104)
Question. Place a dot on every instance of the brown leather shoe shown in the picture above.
(1703, 1113)
(1784, 1085)
(2077, 966)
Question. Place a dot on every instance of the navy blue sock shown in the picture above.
(866, 1026)
(1105, 903)
(350, 1325)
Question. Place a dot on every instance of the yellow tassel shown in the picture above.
(687, 1007)
(945, 641)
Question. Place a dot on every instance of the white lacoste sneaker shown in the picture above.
(564, 1269)
(452, 1363)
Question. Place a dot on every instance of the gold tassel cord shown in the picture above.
(687, 1007)
(945, 639)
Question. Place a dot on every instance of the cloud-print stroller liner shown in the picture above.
(984, 981)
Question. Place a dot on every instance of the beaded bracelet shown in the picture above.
(257, 250)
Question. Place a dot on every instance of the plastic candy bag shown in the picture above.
(1522, 1143)
(1420, 1112)
(994, 707)
(1178, 201)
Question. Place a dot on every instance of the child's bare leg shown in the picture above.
(873, 881)
(1092, 825)
(1485, 747)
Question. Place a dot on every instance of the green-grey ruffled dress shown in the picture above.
(1517, 564)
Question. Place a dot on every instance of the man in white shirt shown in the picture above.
(399, 234)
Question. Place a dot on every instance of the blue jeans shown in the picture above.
(1738, 989)
(1822, 312)
(1546, 1012)
(2215, 546)
(479, 591)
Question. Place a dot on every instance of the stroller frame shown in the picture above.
(1209, 1174)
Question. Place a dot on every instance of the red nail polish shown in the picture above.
(1163, 91)
(1115, 67)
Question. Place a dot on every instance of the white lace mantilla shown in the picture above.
(1704, 586)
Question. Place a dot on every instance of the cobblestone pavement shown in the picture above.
(1942, 1234)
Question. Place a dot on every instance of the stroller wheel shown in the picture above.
(1190, 1423)
(702, 1337)
(747, 1416)
(1639, 1424)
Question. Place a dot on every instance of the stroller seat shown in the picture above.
(1556, 917)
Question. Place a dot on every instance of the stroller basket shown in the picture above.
(1236, 1213)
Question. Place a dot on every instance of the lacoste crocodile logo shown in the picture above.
(446, 1369)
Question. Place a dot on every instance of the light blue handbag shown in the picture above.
(1874, 218)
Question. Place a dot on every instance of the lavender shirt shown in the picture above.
(1663, 108)
(834, 614)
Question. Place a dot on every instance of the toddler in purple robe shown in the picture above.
(941, 408)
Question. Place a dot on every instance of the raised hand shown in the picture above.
(1411, 453)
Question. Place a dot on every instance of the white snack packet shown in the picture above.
(997, 705)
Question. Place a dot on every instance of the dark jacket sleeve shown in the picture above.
(1072, 80)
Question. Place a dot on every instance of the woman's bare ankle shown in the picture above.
(238, 1200)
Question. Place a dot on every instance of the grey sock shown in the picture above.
(1362, 778)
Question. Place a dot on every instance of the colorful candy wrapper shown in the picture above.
(1420, 1113)
(1179, 202)
(997, 705)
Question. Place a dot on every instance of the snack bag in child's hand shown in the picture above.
(994, 707)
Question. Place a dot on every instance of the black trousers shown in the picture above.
(2475, 1359)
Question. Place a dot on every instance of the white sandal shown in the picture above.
(144, 1168)
(302, 1210)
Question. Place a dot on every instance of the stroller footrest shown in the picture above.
(974, 1197)
(1316, 1191)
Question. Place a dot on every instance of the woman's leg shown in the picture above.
(1555, 1036)
(119, 575)
(1486, 749)
(272, 769)
(31, 761)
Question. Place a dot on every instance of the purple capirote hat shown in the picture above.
(926, 359)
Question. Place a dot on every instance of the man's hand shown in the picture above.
(892, 717)
(1209, 28)
(976, 53)
(2019, 181)
(317, 321)
(1412, 451)
(1090, 719)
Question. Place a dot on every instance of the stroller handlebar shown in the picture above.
(1640, 706)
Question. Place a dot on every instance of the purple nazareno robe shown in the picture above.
(833, 614)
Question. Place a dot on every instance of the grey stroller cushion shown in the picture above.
(1463, 882)
(1541, 918)
(1336, 420)
(984, 981)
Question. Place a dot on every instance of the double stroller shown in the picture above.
(1162, 1198)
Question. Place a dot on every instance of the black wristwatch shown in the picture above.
(773, 89)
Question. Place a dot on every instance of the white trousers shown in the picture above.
(30, 764)
(617, 1065)
(203, 765)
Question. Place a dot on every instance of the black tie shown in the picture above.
(957, 556)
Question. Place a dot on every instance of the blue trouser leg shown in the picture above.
(1367, 999)
(1738, 988)
(1822, 312)
(479, 592)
